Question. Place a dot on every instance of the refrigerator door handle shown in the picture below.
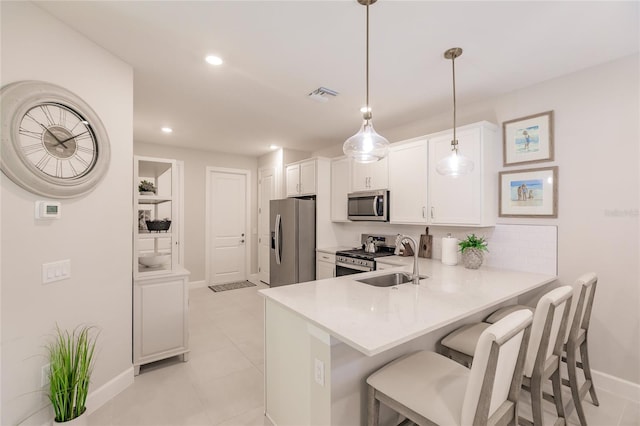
(278, 227)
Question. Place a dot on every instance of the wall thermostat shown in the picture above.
(48, 210)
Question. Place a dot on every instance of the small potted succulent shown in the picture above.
(146, 188)
(471, 249)
(70, 367)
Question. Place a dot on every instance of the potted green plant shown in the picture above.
(146, 188)
(471, 249)
(70, 367)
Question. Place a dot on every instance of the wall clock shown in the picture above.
(53, 143)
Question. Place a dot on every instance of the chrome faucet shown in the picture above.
(415, 277)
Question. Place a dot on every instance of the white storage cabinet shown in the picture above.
(369, 176)
(301, 178)
(325, 265)
(160, 292)
(467, 200)
(408, 174)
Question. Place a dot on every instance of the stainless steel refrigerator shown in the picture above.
(292, 256)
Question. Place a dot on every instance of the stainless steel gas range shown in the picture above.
(363, 259)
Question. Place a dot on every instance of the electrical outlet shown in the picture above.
(44, 379)
(318, 372)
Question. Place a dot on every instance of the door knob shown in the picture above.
(242, 241)
(242, 235)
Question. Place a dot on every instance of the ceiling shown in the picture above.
(277, 52)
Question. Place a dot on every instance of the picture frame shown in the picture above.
(529, 193)
(528, 139)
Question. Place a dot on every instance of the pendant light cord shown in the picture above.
(367, 113)
(453, 67)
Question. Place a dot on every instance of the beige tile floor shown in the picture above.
(222, 384)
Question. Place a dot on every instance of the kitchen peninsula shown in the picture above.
(323, 338)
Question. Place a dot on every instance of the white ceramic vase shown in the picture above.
(81, 420)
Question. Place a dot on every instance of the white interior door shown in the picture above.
(227, 226)
(267, 192)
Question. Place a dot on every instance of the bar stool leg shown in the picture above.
(584, 356)
(373, 406)
(556, 380)
(573, 383)
(536, 400)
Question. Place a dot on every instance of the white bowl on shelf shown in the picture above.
(151, 260)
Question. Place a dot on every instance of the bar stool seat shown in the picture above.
(550, 320)
(428, 388)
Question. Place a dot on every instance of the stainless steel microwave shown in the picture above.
(368, 205)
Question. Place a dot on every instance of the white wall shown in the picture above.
(597, 138)
(94, 231)
(195, 164)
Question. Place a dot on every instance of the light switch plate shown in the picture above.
(56, 271)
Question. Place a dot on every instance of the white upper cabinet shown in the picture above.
(370, 176)
(467, 200)
(340, 187)
(301, 178)
(408, 174)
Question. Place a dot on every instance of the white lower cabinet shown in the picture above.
(467, 200)
(325, 265)
(160, 318)
(408, 182)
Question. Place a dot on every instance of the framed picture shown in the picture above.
(143, 217)
(528, 139)
(529, 193)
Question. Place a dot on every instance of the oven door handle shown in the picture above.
(356, 267)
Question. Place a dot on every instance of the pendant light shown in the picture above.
(455, 164)
(366, 146)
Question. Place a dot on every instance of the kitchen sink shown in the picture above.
(389, 280)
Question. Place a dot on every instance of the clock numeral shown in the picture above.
(63, 117)
(42, 163)
(33, 148)
(85, 149)
(85, 136)
(47, 114)
(30, 133)
(74, 172)
(84, 162)
(58, 168)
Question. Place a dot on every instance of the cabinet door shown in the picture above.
(325, 270)
(160, 318)
(360, 175)
(307, 178)
(370, 176)
(379, 174)
(339, 189)
(408, 183)
(293, 180)
(458, 200)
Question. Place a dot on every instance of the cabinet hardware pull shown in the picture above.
(424, 212)
(431, 212)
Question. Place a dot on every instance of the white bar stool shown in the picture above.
(543, 354)
(428, 388)
(576, 339)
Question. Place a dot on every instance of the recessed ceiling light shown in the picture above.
(273, 146)
(167, 130)
(213, 60)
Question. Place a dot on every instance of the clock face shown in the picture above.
(53, 143)
(58, 141)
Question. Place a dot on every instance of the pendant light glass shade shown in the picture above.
(366, 146)
(455, 164)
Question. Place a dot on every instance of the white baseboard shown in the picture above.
(197, 284)
(617, 386)
(113, 387)
(96, 399)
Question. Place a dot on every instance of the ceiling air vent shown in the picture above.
(321, 94)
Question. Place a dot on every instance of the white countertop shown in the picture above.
(375, 319)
